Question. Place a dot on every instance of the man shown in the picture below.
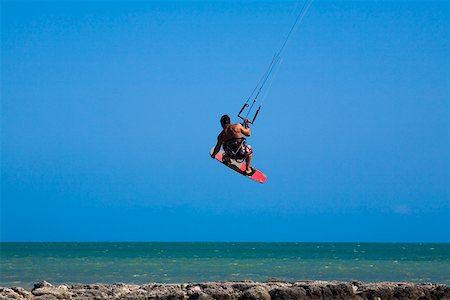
(233, 142)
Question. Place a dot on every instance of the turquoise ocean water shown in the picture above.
(23, 264)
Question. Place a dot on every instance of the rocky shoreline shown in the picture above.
(234, 290)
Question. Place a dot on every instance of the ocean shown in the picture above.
(22, 264)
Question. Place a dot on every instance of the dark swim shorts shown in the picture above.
(237, 148)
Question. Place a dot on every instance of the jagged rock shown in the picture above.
(288, 293)
(242, 286)
(440, 292)
(256, 293)
(340, 290)
(91, 291)
(14, 293)
(59, 292)
(22, 292)
(195, 292)
(9, 293)
(168, 292)
(200, 296)
(221, 291)
(42, 284)
(272, 279)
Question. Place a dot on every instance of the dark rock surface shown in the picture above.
(234, 290)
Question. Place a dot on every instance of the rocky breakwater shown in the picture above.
(234, 290)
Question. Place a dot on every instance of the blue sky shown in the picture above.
(109, 110)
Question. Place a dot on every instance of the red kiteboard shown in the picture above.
(240, 167)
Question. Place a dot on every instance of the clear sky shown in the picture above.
(110, 108)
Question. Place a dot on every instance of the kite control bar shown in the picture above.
(254, 117)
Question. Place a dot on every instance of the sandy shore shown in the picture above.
(230, 290)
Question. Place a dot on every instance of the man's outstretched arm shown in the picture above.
(217, 147)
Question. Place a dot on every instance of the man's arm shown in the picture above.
(245, 129)
(217, 147)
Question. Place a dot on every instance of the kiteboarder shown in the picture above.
(234, 143)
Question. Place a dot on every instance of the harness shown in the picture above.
(236, 148)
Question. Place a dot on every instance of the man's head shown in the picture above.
(225, 120)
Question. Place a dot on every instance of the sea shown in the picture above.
(23, 264)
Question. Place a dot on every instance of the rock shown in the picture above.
(120, 289)
(220, 291)
(9, 293)
(243, 285)
(256, 293)
(340, 290)
(287, 293)
(60, 292)
(97, 291)
(407, 291)
(440, 292)
(272, 279)
(195, 292)
(134, 294)
(168, 292)
(195, 289)
(14, 293)
(42, 284)
(200, 296)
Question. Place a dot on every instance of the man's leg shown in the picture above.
(248, 159)
(226, 159)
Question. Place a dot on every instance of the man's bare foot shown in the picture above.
(249, 171)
